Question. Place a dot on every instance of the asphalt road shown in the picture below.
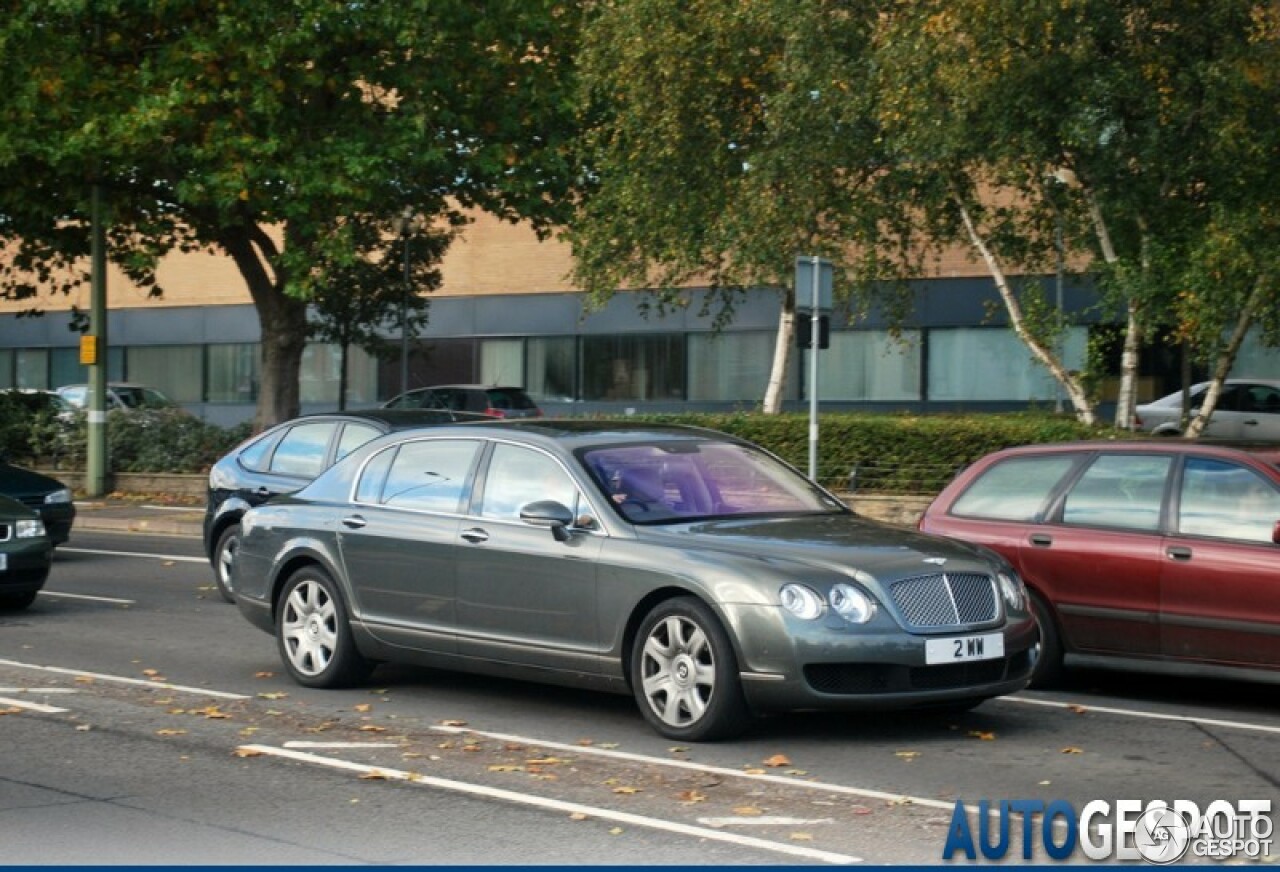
(142, 720)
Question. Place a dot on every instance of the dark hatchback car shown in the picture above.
(281, 460)
(25, 554)
(686, 567)
(1150, 555)
(47, 496)
(489, 401)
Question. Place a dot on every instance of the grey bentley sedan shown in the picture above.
(689, 568)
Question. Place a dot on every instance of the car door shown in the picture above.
(1228, 420)
(1260, 418)
(523, 596)
(1099, 556)
(398, 540)
(1220, 590)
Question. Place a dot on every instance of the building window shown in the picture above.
(730, 367)
(320, 374)
(633, 367)
(65, 367)
(992, 364)
(31, 368)
(6, 368)
(233, 372)
(177, 371)
(870, 365)
(1256, 360)
(551, 371)
(502, 362)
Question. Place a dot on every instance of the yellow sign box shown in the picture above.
(88, 350)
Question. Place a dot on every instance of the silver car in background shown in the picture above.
(1247, 410)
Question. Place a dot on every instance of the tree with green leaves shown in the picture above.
(1126, 132)
(261, 130)
(724, 139)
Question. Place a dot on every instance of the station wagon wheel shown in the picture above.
(684, 673)
(1048, 669)
(314, 634)
(16, 601)
(224, 554)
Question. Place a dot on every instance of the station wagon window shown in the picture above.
(302, 450)
(519, 476)
(429, 475)
(353, 436)
(1119, 490)
(1015, 489)
(1226, 501)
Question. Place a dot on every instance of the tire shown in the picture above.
(224, 555)
(17, 601)
(314, 634)
(1048, 669)
(684, 674)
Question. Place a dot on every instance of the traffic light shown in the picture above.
(804, 331)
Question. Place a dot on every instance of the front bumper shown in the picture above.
(58, 518)
(27, 565)
(787, 665)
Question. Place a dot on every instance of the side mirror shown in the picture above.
(1275, 533)
(550, 514)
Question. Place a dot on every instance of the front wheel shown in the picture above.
(684, 674)
(224, 556)
(17, 601)
(314, 634)
(1048, 669)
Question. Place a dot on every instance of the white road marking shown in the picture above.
(762, 821)
(177, 558)
(173, 508)
(120, 679)
(1137, 713)
(789, 781)
(559, 805)
(39, 690)
(32, 706)
(340, 745)
(82, 596)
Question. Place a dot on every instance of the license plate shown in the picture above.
(960, 648)
(4, 562)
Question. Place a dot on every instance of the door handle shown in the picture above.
(475, 534)
(354, 522)
(1179, 552)
(262, 492)
(1044, 540)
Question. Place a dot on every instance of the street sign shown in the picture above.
(805, 290)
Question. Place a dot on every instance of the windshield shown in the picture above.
(671, 481)
(141, 398)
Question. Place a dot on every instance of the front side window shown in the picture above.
(1226, 501)
(1016, 489)
(519, 476)
(1119, 490)
(429, 475)
(302, 450)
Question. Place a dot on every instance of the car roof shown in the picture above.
(1267, 451)
(387, 419)
(582, 432)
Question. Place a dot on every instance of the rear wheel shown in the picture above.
(224, 556)
(684, 674)
(1048, 669)
(314, 634)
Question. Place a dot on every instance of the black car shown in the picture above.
(284, 459)
(48, 496)
(488, 401)
(25, 554)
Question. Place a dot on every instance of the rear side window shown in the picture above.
(429, 475)
(508, 398)
(302, 450)
(1016, 489)
(1119, 490)
(353, 436)
(1226, 501)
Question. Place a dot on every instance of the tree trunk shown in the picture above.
(1070, 383)
(1127, 392)
(282, 321)
(781, 355)
(342, 376)
(1227, 359)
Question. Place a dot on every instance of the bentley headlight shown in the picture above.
(801, 601)
(1011, 588)
(28, 529)
(852, 604)
(59, 496)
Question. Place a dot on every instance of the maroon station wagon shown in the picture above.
(1159, 556)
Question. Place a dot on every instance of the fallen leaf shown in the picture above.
(861, 810)
(362, 707)
(1070, 750)
(677, 749)
(513, 746)
(505, 767)
(544, 761)
(616, 831)
(907, 755)
(1045, 783)
(691, 796)
(372, 728)
(177, 711)
(279, 694)
(984, 736)
(586, 743)
(747, 811)
(11, 711)
(83, 728)
(753, 771)
(249, 731)
(609, 746)
(901, 800)
(247, 752)
(801, 837)
(379, 690)
(627, 790)
(577, 816)
(150, 673)
(84, 679)
(453, 723)
(264, 675)
(777, 760)
(373, 775)
(168, 563)
(171, 732)
(796, 772)
(1078, 709)
(472, 747)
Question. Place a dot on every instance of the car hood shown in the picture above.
(18, 482)
(842, 543)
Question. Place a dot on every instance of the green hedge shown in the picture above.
(898, 453)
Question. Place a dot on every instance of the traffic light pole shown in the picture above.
(94, 353)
